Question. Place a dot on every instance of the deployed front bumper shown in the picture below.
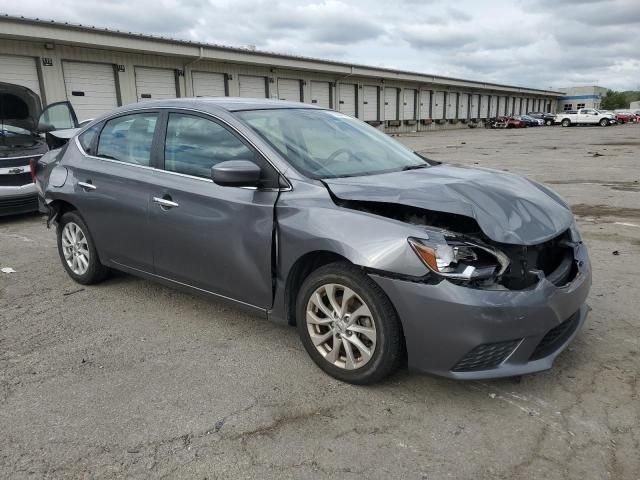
(468, 333)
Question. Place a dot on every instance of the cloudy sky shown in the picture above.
(537, 43)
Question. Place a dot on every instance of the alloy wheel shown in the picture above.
(75, 248)
(341, 326)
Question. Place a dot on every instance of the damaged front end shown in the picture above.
(454, 248)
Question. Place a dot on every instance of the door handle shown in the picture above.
(165, 203)
(87, 185)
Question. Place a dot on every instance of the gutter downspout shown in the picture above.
(196, 59)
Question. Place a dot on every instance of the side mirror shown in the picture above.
(44, 127)
(236, 173)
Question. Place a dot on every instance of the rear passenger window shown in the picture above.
(128, 138)
(194, 145)
(87, 139)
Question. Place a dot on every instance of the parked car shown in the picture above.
(585, 116)
(530, 121)
(515, 122)
(314, 218)
(548, 118)
(625, 117)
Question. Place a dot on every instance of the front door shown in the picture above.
(217, 239)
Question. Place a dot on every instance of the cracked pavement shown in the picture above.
(132, 379)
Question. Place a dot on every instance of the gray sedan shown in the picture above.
(377, 255)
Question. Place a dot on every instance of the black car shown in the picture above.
(547, 117)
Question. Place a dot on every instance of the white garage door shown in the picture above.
(493, 106)
(208, 84)
(502, 105)
(463, 106)
(20, 71)
(474, 105)
(438, 106)
(425, 104)
(370, 103)
(390, 103)
(409, 104)
(347, 100)
(289, 89)
(452, 105)
(91, 88)
(321, 94)
(484, 106)
(253, 87)
(155, 83)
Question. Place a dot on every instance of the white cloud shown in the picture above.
(539, 43)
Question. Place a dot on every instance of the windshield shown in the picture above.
(328, 144)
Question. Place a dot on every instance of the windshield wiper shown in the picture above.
(413, 167)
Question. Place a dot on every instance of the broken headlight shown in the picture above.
(460, 259)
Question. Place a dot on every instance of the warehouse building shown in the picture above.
(99, 69)
(575, 98)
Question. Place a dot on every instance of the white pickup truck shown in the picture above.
(585, 116)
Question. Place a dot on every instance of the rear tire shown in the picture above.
(358, 341)
(604, 122)
(77, 250)
(566, 122)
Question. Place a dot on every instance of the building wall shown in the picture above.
(581, 97)
(50, 56)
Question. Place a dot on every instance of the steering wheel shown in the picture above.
(340, 151)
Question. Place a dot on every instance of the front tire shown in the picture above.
(348, 325)
(566, 122)
(548, 123)
(604, 122)
(77, 250)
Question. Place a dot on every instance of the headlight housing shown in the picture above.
(460, 259)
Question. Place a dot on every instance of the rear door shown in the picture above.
(113, 184)
(217, 239)
(91, 88)
(155, 83)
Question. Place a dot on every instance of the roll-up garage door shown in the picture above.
(502, 105)
(289, 89)
(493, 104)
(253, 87)
(484, 106)
(438, 106)
(208, 84)
(391, 103)
(425, 104)
(409, 104)
(452, 105)
(321, 94)
(474, 105)
(463, 105)
(370, 103)
(20, 71)
(518, 105)
(91, 88)
(155, 83)
(347, 99)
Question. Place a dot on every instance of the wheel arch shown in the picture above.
(300, 270)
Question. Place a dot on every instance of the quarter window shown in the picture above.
(128, 138)
(194, 145)
(88, 137)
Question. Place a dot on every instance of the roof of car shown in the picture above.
(231, 104)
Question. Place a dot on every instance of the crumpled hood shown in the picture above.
(508, 208)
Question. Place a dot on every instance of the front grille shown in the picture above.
(556, 337)
(28, 203)
(16, 179)
(486, 356)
